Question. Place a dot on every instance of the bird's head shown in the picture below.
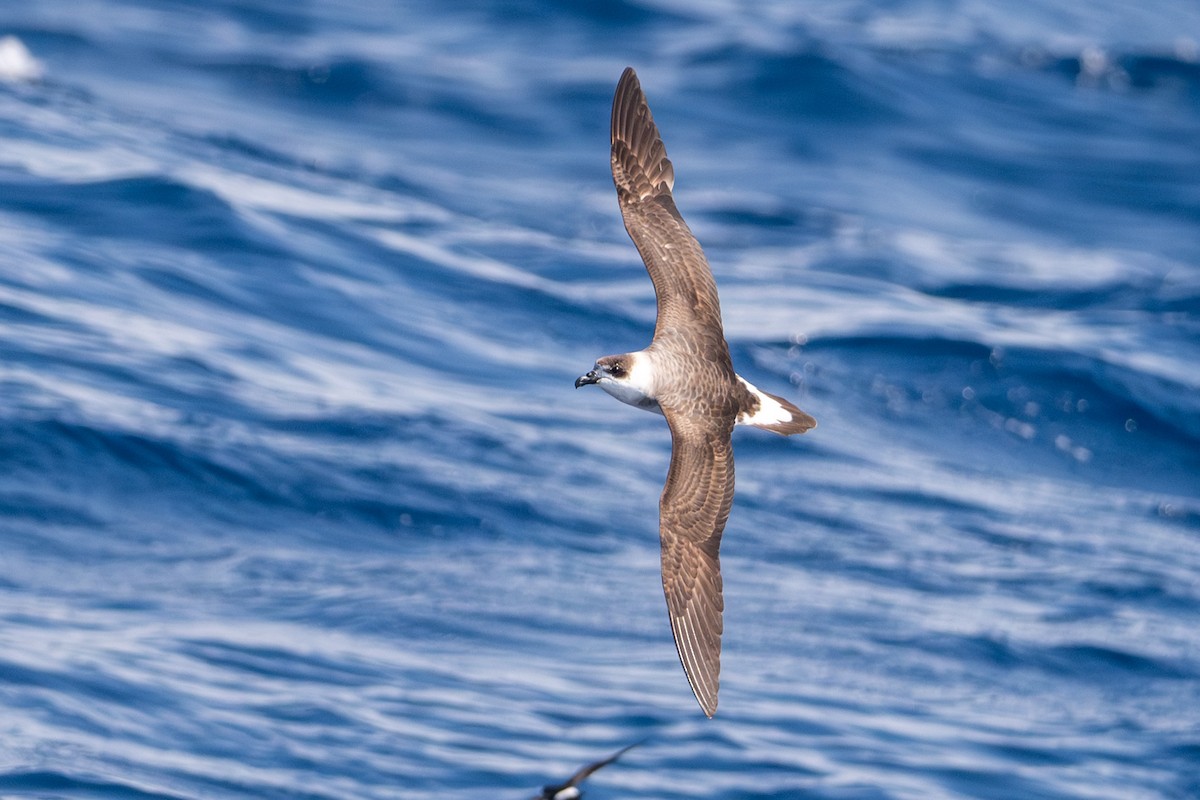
(610, 369)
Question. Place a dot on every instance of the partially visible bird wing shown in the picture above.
(583, 773)
(692, 514)
(644, 177)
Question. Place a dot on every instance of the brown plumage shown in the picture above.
(687, 375)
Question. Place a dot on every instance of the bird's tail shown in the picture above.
(773, 413)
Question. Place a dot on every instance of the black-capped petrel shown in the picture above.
(570, 790)
(687, 376)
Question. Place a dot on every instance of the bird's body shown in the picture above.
(686, 375)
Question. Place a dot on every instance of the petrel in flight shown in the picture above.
(687, 376)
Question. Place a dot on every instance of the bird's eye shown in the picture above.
(617, 371)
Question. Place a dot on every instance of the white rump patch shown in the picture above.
(770, 411)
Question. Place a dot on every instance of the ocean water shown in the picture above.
(297, 499)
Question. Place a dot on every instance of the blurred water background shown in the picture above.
(297, 499)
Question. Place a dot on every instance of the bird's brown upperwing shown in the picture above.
(692, 514)
(644, 177)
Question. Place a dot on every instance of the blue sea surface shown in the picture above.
(297, 499)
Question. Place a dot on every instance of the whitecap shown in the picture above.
(17, 63)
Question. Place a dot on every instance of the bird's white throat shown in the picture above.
(637, 387)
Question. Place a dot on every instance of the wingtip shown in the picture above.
(703, 676)
(708, 703)
(641, 168)
(626, 85)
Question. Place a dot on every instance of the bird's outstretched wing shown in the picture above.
(585, 772)
(692, 514)
(552, 792)
(644, 177)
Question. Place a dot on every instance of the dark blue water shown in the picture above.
(297, 499)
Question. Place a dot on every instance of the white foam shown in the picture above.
(17, 63)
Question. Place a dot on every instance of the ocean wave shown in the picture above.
(55, 783)
(299, 498)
